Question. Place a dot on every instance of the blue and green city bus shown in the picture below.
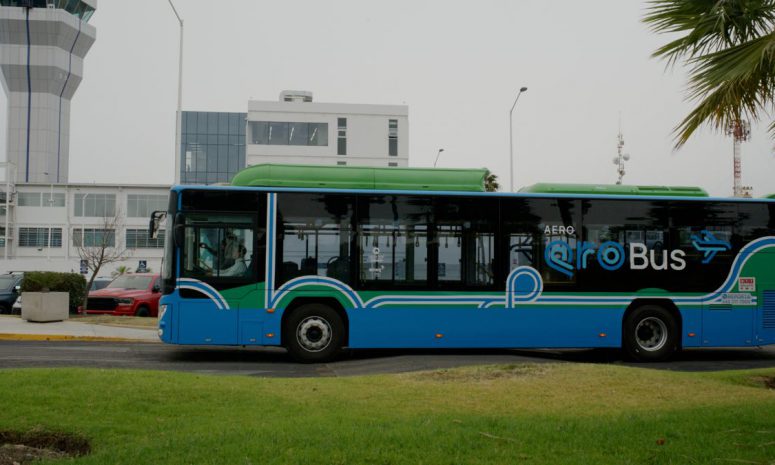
(400, 264)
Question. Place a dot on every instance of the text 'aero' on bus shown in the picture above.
(316, 259)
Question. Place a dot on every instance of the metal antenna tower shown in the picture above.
(621, 157)
(740, 130)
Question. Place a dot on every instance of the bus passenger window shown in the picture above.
(314, 236)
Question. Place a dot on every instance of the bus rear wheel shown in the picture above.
(650, 334)
(313, 333)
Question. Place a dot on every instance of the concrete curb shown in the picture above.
(57, 337)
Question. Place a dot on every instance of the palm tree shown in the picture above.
(730, 48)
(120, 271)
(491, 182)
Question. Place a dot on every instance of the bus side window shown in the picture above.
(465, 242)
(315, 231)
(521, 250)
(393, 237)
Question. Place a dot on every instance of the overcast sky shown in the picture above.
(457, 65)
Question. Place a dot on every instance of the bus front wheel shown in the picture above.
(313, 333)
(650, 334)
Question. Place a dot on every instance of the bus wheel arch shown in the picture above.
(316, 314)
(651, 330)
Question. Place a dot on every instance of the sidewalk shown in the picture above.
(14, 328)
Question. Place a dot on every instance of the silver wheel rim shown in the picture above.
(314, 334)
(651, 334)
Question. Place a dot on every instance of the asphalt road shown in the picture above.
(276, 363)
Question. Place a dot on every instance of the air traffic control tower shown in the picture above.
(42, 47)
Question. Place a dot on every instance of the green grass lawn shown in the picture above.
(552, 414)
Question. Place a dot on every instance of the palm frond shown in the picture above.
(709, 25)
(731, 84)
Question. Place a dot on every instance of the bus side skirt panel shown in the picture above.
(450, 327)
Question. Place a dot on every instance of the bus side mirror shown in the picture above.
(153, 225)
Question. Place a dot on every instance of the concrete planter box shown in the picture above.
(45, 306)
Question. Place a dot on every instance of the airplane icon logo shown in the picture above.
(709, 245)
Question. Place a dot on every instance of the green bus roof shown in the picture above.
(355, 177)
(615, 189)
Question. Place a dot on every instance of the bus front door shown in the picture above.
(218, 274)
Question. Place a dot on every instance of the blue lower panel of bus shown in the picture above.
(424, 327)
(199, 322)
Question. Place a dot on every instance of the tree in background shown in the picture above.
(97, 246)
(729, 46)
(491, 182)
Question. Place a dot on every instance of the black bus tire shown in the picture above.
(650, 334)
(313, 333)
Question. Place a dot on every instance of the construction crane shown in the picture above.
(740, 130)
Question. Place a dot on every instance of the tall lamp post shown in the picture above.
(437, 157)
(511, 140)
(178, 123)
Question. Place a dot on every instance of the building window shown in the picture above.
(92, 237)
(29, 199)
(341, 163)
(2, 237)
(341, 140)
(317, 134)
(38, 237)
(392, 163)
(53, 200)
(297, 133)
(96, 205)
(278, 133)
(139, 239)
(41, 199)
(393, 137)
(282, 133)
(142, 205)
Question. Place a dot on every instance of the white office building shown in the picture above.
(44, 225)
(297, 130)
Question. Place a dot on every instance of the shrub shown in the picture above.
(50, 281)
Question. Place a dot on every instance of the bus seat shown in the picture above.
(309, 266)
(338, 268)
(289, 270)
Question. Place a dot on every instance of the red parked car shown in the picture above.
(129, 294)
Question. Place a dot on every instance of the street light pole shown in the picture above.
(437, 157)
(179, 114)
(511, 140)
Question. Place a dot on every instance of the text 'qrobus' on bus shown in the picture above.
(316, 259)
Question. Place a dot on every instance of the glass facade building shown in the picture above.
(212, 146)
